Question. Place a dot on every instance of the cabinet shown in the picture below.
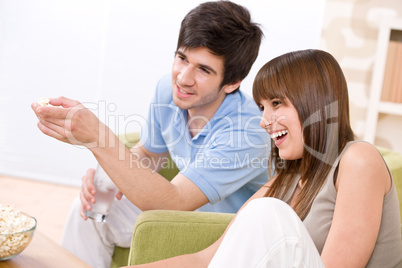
(386, 83)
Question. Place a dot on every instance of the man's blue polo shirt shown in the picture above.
(227, 159)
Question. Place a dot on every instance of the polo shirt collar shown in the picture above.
(228, 105)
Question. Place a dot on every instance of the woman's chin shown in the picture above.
(286, 156)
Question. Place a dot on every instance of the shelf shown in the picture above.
(390, 108)
(390, 30)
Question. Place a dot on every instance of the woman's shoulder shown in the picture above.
(361, 152)
(365, 162)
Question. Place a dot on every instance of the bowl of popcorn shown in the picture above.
(16, 231)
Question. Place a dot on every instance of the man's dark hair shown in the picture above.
(225, 29)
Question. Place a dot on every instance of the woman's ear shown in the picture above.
(229, 88)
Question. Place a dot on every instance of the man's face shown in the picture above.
(196, 78)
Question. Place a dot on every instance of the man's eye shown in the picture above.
(180, 56)
(205, 70)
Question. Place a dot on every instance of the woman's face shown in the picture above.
(281, 120)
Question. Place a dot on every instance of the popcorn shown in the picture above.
(13, 221)
(43, 101)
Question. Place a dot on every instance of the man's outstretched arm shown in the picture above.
(72, 123)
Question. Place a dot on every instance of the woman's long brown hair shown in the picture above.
(313, 82)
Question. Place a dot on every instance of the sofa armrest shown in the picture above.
(161, 234)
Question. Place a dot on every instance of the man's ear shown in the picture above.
(229, 88)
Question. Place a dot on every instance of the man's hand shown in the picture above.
(87, 194)
(88, 191)
(70, 122)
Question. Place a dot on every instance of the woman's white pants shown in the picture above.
(267, 233)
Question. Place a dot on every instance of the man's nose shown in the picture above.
(186, 76)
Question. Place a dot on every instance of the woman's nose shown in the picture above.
(268, 119)
(264, 123)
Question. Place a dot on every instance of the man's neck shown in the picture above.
(197, 119)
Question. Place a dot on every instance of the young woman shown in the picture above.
(332, 202)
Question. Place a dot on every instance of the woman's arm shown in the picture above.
(362, 182)
(204, 257)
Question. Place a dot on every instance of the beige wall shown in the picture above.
(350, 30)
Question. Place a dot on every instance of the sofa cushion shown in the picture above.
(161, 234)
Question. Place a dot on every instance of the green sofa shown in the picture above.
(161, 234)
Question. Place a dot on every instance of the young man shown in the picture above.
(198, 117)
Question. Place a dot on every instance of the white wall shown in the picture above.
(108, 54)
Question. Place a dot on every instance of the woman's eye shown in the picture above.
(261, 108)
(275, 103)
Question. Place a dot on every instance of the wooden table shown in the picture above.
(43, 252)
